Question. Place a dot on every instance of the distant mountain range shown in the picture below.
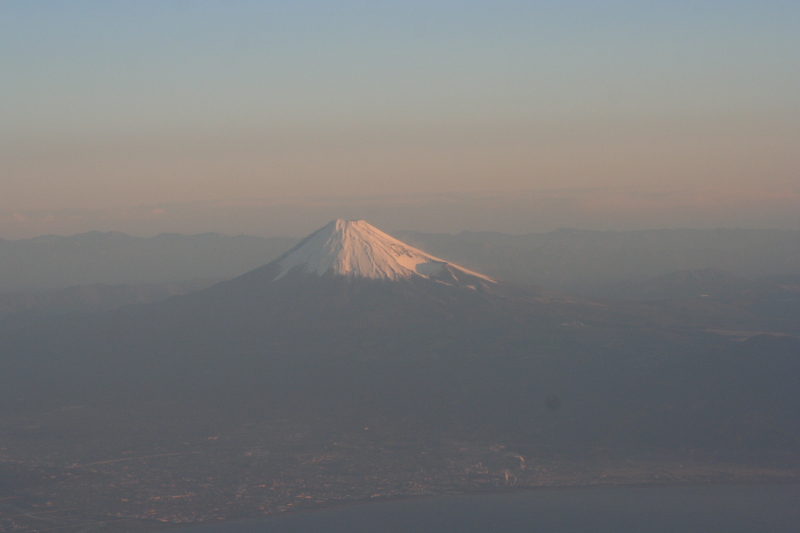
(586, 262)
(747, 276)
(594, 262)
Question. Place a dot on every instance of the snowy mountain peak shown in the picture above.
(354, 248)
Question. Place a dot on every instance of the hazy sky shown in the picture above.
(517, 116)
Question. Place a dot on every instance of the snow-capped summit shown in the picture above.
(356, 249)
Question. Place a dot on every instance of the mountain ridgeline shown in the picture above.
(597, 263)
(353, 325)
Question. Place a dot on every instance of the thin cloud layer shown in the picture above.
(537, 211)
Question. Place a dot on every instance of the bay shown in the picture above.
(685, 509)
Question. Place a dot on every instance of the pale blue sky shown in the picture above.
(106, 105)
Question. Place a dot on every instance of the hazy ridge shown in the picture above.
(581, 261)
(55, 262)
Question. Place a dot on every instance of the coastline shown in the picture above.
(788, 481)
(394, 506)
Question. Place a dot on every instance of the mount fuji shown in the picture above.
(353, 255)
(356, 249)
(349, 274)
(346, 294)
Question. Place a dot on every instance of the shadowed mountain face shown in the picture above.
(351, 323)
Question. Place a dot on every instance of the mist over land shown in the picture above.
(316, 380)
(597, 263)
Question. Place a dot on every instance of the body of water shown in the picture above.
(686, 509)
